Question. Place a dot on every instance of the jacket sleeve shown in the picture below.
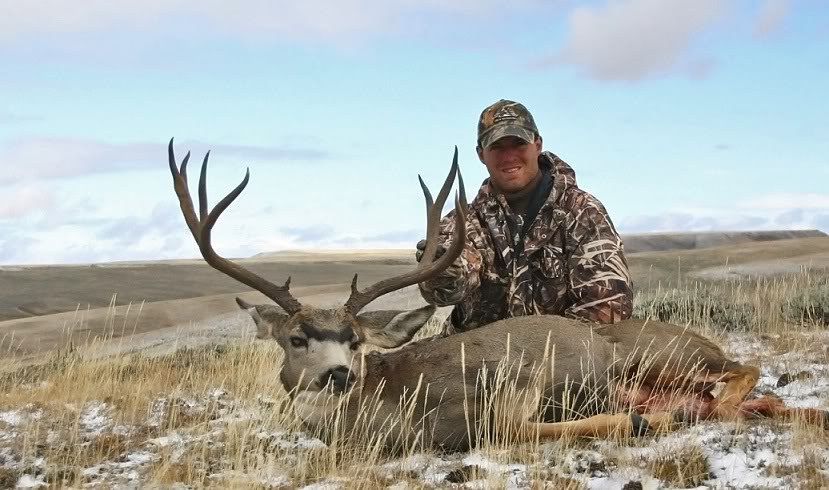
(463, 277)
(600, 284)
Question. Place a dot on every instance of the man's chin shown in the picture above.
(510, 186)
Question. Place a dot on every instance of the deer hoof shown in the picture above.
(640, 427)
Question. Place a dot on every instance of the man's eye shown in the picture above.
(299, 342)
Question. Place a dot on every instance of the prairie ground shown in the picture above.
(107, 398)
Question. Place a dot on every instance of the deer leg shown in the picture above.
(774, 407)
(601, 426)
(738, 384)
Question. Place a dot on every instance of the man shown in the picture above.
(537, 244)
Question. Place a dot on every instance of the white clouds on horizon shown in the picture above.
(22, 200)
(34, 159)
(164, 236)
(762, 213)
(784, 201)
(76, 235)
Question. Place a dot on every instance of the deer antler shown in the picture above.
(427, 267)
(202, 226)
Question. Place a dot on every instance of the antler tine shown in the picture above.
(427, 266)
(183, 193)
(203, 189)
(462, 189)
(434, 210)
(201, 230)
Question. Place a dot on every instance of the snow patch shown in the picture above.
(94, 418)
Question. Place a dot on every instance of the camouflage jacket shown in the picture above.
(573, 261)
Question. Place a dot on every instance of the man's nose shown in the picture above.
(510, 154)
(340, 377)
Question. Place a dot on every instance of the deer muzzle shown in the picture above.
(340, 379)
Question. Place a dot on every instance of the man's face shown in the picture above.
(512, 162)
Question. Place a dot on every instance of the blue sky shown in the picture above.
(677, 114)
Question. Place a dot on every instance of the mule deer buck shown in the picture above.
(563, 377)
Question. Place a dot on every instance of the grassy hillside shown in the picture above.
(34, 291)
(676, 266)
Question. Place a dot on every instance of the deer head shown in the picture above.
(321, 344)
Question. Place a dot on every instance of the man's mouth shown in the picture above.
(511, 170)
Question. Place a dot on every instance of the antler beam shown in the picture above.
(202, 226)
(427, 267)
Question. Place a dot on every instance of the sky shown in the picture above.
(679, 115)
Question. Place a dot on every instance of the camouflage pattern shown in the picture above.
(573, 262)
(505, 118)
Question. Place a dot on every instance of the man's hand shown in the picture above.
(421, 247)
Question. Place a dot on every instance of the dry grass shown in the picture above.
(217, 417)
(760, 306)
(685, 468)
(812, 472)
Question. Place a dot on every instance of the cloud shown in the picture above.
(789, 216)
(13, 246)
(305, 234)
(822, 221)
(679, 221)
(776, 211)
(26, 199)
(410, 236)
(79, 238)
(165, 220)
(31, 159)
(784, 201)
(638, 39)
(771, 17)
(328, 236)
(247, 19)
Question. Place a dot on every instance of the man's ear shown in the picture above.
(268, 318)
(539, 143)
(392, 328)
(480, 151)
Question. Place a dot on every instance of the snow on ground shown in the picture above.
(805, 371)
(751, 455)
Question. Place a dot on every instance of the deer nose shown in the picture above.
(340, 377)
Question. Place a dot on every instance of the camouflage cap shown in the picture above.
(505, 118)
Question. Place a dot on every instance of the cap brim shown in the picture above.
(499, 132)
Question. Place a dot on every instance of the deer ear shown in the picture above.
(268, 318)
(392, 328)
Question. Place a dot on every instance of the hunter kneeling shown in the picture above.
(536, 243)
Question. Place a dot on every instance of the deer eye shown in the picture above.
(299, 342)
(356, 344)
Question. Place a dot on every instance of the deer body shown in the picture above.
(450, 376)
(578, 370)
(522, 378)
